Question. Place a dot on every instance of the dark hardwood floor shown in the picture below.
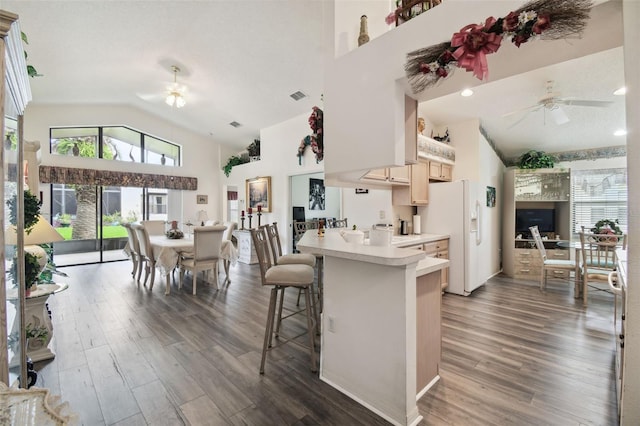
(127, 356)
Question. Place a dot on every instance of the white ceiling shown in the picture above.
(592, 77)
(241, 60)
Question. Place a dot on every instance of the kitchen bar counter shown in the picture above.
(380, 323)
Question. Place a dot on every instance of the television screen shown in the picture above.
(544, 218)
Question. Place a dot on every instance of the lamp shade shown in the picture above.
(41, 233)
(202, 216)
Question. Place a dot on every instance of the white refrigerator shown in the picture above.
(456, 208)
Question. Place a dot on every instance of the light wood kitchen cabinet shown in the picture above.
(417, 192)
(440, 171)
(400, 175)
(377, 174)
(439, 249)
(410, 130)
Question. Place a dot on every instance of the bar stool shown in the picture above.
(281, 277)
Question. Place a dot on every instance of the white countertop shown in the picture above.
(332, 244)
(414, 239)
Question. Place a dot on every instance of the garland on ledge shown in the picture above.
(556, 19)
(316, 139)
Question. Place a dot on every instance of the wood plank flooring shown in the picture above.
(128, 356)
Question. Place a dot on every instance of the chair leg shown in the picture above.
(298, 301)
(584, 290)
(146, 274)
(310, 326)
(279, 317)
(143, 265)
(153, 276)
(269, 328)
(194, 274)
(134, 260)
(181, 277)
(226, 264)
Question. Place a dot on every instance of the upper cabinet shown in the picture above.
(440, 171)
(416, 193)
(542, 185)
(410, 130)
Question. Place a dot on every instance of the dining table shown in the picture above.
(167, 251)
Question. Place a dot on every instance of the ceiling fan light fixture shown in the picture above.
(175, 98)
(620, 132)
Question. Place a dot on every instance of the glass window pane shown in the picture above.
(121, 143)
(78, 141)
(158, 151)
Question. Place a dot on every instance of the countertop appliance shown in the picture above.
(456, 208)
(404, 227)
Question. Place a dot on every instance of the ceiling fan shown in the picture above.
(174, 94)
(551, 102)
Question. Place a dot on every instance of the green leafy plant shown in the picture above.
(31, 70)
(31, 210)
(31, 269)
(536, 160)
(64, 219)
(254, 148)
(607, 226)
(234, 160)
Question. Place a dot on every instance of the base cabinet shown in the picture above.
(528, 263)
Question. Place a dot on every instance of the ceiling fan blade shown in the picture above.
(558, 115)
(151, 97)
(583, 102)
(526, 111)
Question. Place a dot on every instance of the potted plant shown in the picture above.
(64, 220)
(254, 150)
(234, 160)
(536, 160)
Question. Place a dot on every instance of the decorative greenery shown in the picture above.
(174, 234)
(607, 226)
(31, 269)
(64, 219)
(234, 160)
(31, 70)
(31, 210)
(536, 160)
(254, 148)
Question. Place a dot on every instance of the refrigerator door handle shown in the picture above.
(478, 223)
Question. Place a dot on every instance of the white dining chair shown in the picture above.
(226, 236)
(154, 227)
(557, 266)
(134, 251)
(147, 256)
(207, 242)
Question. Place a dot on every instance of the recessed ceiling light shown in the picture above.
(466, 92)
(620, 132)
(621, 91)
(235, 124)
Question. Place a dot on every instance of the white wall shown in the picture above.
(278, 159)
(300, 197)
(347, 21)
(200, 154)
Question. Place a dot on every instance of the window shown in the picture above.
(157, 204)
(119, 143)
(598, 194)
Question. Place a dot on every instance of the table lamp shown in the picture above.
(202, 217)
(41, 233)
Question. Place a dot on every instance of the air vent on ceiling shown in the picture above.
(298, 95)
(235, 124)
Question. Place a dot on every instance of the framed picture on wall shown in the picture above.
(202, 199)
(259, 193)
(316, 194)
(491, 196)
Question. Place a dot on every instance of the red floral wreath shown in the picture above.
(316, 139)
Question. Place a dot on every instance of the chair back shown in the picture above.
(154, 227)
(535, 233)
(599, 251)
(207, 241)
(261, 244)
(134, 245)
(228, 233)
(340, 223)
(146, 249)
(274, 240)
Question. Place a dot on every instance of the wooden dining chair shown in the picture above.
(154, 227)
(598, 259)
(207, 241)
(146, 254)
(557, 267)
(340, 223)
(133, 250)
(279, 278)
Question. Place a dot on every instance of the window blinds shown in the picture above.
(596, 195)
